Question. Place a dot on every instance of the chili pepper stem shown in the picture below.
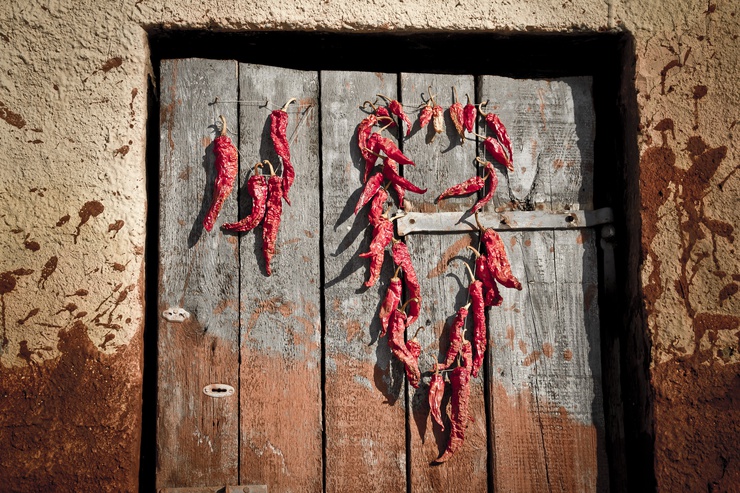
(467, 97)
(254, 168)
(470, 272)
(454, 90)
(395, 274)
(431, 97)
(367, 149)
(480, 107)
(417, 330)
(290, 101)
(403, 307)
(223, 124)
(480, 226)
(473, 249)
(272, 170)
(479, 135)
(384, 97)
(368, 103)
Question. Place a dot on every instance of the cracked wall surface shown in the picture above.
(73, 85)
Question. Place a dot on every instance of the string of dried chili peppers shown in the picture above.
(257, 189)
(272, 216)
(226, 164)
(278, 134)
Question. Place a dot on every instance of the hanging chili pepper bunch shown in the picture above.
(491, 268)
(268, 194)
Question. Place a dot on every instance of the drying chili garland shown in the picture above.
(463, 358)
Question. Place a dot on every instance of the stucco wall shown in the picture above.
(73, 83)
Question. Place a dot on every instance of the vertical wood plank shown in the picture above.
(545, 366)
(196, 434)
(438, 261)
(281, 442)
(365, 415)
(552, 126)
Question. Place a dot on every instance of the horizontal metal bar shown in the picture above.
(250, 488)
(450, 222)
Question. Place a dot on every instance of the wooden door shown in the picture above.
(319, 402)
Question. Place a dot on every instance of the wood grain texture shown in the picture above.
(365, 415)
(197, 435)
(281, 320)
(438, 261)
(552, 126)
(544, 365)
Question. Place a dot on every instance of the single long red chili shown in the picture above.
(470, 114)
(492, 180)
(278, 134)
(457, 116)
(495, 124)
(460, 404)
(272, 217)
(377, 205)
(436, 392)
(480, 338)
(368, 192)
(496, 150)
(364, 129)
(257, 189)
(390, 302)
(377, 141)
(400, 191)
(498, 263)
(382, 236)
(397, 109)
(412, 366)
(398, 346)
(226, 164)
(390, 173)
(469, 186)
(456, 336)
(402, 258)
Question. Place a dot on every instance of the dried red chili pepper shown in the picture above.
(390, 302)
(470, 113)
(491, 294)
(425, 115)
(460, 404)
(376, 206)
(226, 164)
(469, 186)
(382, 114)
(456, 336)
(457, 116)
(391, 174)
(278, 134)
(376, 141)
(397, 109)
(498, 263)
(413, 374)
(273, 215)
(382, 236)
(368, 192)
(438, 119)
(257, 189)
(480, 338)
(398, 346)
(495, 124)
(436, 392)
(496, 150)
(402, 258)
(400, 191)
(492, 181)
(363, 133)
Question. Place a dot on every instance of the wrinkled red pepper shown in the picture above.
(456, 336)
(460, 404)
(376, 141)
(390, 302)
(436, 392)
(363, 133)
(257, 189)
(480, 338)
(498, 263)
(470, 113)
(438, 119)
(391, 174)
(425, 115)
(278, 134)
(226, 164)
(496, 150)
(397, 109)
(376, 206)
(457, 116)
(495, 124)
(368, 192)
(402, 258)
(492, 181)
(273, 215)
(398, 346)
(413, 374)
(382, 236)
(491, 294)
(469, 186)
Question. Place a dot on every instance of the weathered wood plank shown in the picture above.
(544, 366)
(281, 441)
(551, 125)
(440, 164)
(445, 222)
(365, 415)
(197, 435)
